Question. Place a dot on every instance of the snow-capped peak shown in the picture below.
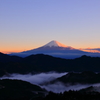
(55, 44)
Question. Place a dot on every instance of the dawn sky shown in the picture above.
(28, 24)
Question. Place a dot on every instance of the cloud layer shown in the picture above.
(41, 78)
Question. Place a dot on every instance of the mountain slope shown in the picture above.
(55, 44)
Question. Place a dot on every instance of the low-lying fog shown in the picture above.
(41, 78)
(36, 78)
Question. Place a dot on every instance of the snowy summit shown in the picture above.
(55, 44)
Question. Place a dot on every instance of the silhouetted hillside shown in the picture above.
(45, 63)
(41, 62)
(22, 90)
(73, 95)
(7, 58)
(90, 89)
(79, 78)
(19, 90)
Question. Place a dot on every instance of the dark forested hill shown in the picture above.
(45, 63)
(19, 90)
(22, 90)
(7, 58)
(86, 77)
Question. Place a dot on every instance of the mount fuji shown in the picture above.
(53, 45)
(56, 49)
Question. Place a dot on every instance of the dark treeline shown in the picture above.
(73, 95)
(67, 95)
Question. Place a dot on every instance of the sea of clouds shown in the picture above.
(41, 78)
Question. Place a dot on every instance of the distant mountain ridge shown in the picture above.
(45, 63)
(7, 58)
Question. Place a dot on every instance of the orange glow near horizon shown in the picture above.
(8, 51)
(93, 51)
(14, 51)
(21, 48)
(17, 51)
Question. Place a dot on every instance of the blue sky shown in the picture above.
(28, 24)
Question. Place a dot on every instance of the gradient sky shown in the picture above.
(28, 24)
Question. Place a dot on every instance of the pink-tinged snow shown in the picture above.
(55, 43)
